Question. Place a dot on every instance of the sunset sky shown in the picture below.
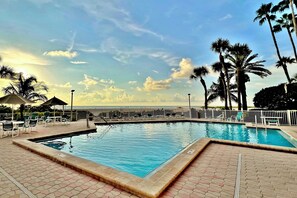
(131, 52)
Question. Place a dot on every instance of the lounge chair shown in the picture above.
(65, 119)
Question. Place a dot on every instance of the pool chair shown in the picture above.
(65, 119)
(32, 124)
(9, 129)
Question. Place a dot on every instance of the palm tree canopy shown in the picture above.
(282, 6)
(220, 45)
(243, 61)
(284, 60)
(264, 13)
(216, 90)
(7, 72)
(28, 87)
(199, 72)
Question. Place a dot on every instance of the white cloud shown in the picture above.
(17, 57)
(111, 12)
(228, 16)
(132, 82)
(185, 69)
(155, 71)
(123, 53)
(88, 81)
(155, 85)
(78, 62)
(64, 86)
(108, 81)
(60, 53)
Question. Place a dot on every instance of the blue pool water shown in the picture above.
(141, 148)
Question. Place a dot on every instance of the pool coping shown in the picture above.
(152, 186)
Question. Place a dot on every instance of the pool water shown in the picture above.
(141, 148)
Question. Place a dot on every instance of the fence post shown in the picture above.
(212, 114)
(289, 117)
(261, 117)
(87, 117)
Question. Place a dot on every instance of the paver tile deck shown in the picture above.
(263, 173)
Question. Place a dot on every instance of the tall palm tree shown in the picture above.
(28, 87)
(285, 4)
(286, 22)
(7, 72)
(217, 67)
(264, 13)
(221, 46)
(200, 72)
(283, 63)
(242, 63)
(216, 91)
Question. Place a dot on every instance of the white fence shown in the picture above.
(286, 117)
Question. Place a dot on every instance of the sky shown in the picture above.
(131, 53)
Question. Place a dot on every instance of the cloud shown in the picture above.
(88, 81)
(132, 82)
(155, 85)
(155, 71)
(115, 14)
(123, 53)
(78, 62)
(17, 57)
(64, 86)
(60, 53)
(185, 69)
(228, 16)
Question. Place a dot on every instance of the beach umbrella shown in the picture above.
(53, 102)
(14, 99)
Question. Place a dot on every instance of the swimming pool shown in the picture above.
(140, 149)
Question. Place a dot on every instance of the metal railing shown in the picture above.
(285, 117)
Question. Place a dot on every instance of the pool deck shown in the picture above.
(263, 173)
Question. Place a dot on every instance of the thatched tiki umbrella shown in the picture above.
(53, 102)
(14, 99)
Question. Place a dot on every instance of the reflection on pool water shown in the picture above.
(141, 148)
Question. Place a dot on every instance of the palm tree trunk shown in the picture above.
(274, 39)
(243, 96)
(22, 108)
(292, 42)
(293, 17)
(287, 73)
(225, 90)
(228, 87)
(238, 91)
(205, 92)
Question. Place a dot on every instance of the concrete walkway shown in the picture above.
(213, 174)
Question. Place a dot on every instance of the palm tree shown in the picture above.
(7, 72)
(264, 14)
(217, 67)
(283, 63)
(286, 22)
(285, 4)
(28, 87)
(221, 46)
(216, 91)
(242, 63)
(199, 72)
